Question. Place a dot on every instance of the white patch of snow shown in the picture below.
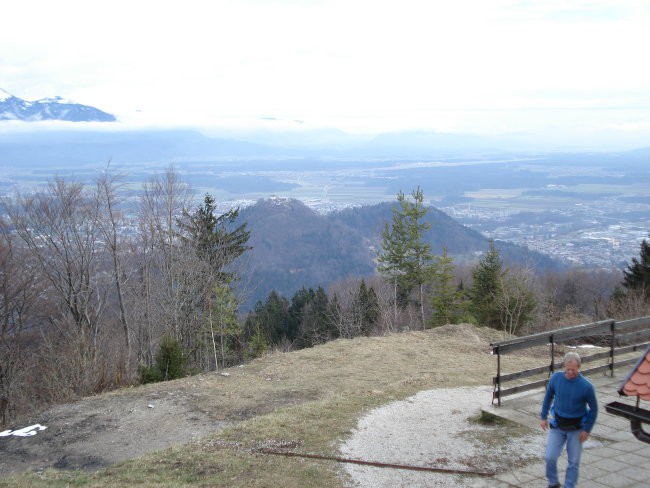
(57, 99)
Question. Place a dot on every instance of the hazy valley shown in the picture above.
(585, 209)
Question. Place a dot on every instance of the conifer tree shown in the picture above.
(445, 296)
(215, 242)
(223, 319)
(392, 259)
(216, 245)
(272, 320)
(310, 308)
(406, 258)
(486, 280)
(299, 301)
(171, 363)
(365, 308)
(637, 275)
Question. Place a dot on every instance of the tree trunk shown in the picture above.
(422, 304)
(395, 301)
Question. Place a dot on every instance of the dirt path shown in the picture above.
(433, 429)
(107, 429)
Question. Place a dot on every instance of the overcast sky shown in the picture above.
(360, 65)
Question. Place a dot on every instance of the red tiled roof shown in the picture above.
(637, 382)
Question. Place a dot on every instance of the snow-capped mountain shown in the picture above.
(57, 108)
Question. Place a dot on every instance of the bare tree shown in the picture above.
(176, 281)
(515, 300)
(344, 316)
(341, 311)
(158, 298)
(18, 296)
(628, 304)
(59, 226)
(388, 316)
(111, 219)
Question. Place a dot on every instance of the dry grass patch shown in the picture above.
(444, 355)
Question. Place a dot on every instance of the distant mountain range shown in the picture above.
(293, 246)
(84, 145)
(57, 108)
(73, 146)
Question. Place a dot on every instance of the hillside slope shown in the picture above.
(293, 246)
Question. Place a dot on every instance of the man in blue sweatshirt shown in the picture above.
(572, 398)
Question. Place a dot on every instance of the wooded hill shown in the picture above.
(294, 246)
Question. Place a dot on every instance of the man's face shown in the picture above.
(571, 369)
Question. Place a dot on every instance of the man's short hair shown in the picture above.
(573, 356)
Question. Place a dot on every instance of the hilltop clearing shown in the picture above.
(311, 398)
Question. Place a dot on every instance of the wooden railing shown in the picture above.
(619, 338)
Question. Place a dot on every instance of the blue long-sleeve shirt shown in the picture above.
(570, 399)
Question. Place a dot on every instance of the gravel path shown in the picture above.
(433, 429)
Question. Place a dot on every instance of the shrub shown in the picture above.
(170, 363)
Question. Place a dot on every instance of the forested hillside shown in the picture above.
(293, 246)
(463, 243)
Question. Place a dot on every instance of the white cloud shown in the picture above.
(357, 63)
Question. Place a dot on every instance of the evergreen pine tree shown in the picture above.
(406, 258)
(216, 245)
(299, 301)
(445, 297)
(314, 323)
(170, 363)
(392, 259)
(365, 308)
(637, 275)
(213, 238)
(486, 279)
(272, 320)
(224, 323)
(258, 344)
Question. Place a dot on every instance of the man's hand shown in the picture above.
(544, 424)
(583, 435)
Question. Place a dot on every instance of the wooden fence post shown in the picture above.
(612, 346)
(552, 368)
